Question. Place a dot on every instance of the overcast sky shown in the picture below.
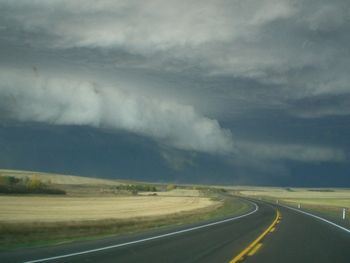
(258, 86)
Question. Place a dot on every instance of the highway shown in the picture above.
(301, 238)
(296, 238)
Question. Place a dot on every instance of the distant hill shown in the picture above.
(59, 178)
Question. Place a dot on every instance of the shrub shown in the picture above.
(35, 184)
(135, 188)
(8, 180)
(170, 187)
(13, 185)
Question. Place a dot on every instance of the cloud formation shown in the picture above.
(144, 27)
(299, 46)
(223, 59)
(26, 96)
(321, 106)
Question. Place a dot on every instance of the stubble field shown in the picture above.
(63, 209)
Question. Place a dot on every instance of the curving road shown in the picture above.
(301, 238)
(297, 238)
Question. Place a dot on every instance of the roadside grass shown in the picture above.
(19, 235)
(328, 209)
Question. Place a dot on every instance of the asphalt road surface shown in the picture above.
(297, 238)
(301, 238)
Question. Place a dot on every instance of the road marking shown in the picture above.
(255, 249)
(251, 246)
(318, 217)
(147, 239)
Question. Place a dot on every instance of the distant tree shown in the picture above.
(34, 183)
(25, 185)
(9, 180)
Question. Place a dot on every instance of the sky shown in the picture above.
(228, 92)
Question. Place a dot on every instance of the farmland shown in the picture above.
(326, 202)
(92, 208)
(65, 209)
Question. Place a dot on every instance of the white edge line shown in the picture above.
(318, 217)
(146, 239)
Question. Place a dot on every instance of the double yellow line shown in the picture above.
(255, 245)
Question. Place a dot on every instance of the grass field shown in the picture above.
(28, 234)
(328, 203)
(299, 193)
(64, 209)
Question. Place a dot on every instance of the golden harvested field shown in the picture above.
(329, 197)
(62, 209)
(324, 202)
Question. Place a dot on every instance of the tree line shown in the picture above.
(33, 185)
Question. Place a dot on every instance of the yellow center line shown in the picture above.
(252, 245)
(255, 249)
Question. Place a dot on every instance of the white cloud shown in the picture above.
(28, 97)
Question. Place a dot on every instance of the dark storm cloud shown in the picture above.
(174, 71)
(300, 45)
(322, 105)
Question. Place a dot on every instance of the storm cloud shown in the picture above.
(28, 97)
(185, 74)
